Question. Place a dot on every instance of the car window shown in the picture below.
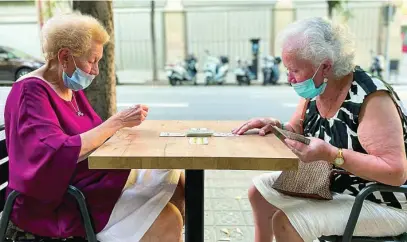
(13, 53)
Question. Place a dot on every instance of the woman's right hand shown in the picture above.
(264, 124)
(132, 116)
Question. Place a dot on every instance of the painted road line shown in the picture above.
(157, 105)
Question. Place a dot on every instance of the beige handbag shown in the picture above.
(311, 180)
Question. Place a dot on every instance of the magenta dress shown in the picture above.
(43, 142)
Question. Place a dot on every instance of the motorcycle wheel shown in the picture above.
(207, 81)
(173, 82)
(239, 80)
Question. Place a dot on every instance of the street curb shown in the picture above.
(165, 83)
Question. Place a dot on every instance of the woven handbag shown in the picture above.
(311, 180)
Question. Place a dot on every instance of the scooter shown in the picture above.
(377, 66)
(215, 69)
(243, 73)
(183, 71)
(271, 71)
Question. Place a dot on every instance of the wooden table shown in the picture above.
(142, 148)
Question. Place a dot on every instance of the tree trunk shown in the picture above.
(153, 40)
(102, 92)
(331, 6)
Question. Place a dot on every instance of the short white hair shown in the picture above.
(318, 39)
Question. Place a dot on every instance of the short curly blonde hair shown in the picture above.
(73, 31)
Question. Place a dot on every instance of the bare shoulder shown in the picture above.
(380, 129)
(377, 104)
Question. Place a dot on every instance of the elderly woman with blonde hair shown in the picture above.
(354, 121)
(51, 129)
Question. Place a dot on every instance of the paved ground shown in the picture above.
(226, 203)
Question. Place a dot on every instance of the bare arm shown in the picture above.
(381, 135)
(95, 137)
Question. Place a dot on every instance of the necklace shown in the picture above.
(333, 100)
(78, 112)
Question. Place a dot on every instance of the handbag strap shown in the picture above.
(304, 111)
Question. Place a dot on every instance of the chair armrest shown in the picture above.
(357, 205)
(80, 198)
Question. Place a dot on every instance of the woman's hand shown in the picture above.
(264, 124)
(317, 150)
(132, 116)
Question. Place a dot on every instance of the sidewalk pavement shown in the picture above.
(228, 215)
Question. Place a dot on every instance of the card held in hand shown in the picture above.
(290, 135)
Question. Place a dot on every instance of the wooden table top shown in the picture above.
(142, 148)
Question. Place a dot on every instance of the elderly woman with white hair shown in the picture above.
(354, 122)
(50, 131)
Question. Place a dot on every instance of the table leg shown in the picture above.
(194, 205)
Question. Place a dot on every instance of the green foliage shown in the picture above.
(341, 7)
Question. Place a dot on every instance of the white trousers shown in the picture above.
(314, 218)
(144, 197)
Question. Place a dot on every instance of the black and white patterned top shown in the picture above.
(341, 131)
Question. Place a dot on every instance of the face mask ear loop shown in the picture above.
(77, 66)
(316, 71)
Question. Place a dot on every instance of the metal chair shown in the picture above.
(354, 215)
(76, 193)
(8, 205)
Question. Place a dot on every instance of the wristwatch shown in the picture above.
(339, 160)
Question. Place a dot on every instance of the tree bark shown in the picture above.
(102, 92)
(331, 6)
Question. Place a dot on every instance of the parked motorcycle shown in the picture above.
(215, 69)
(271, 71)
(243, 72)
(183, 71)
(377, 66)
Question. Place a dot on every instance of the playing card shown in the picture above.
(224, 134)
(198, 141)
(171, 134)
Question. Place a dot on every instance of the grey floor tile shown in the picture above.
(229, 218)
(207, 204)
(209, 234)
(236, 193)
(222, 204)
(209, 218)
(207, 192)
(236, 233)
(245, 204)
(244, 183)
(248, 217)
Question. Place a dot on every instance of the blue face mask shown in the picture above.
(79, 79)
(307, 89)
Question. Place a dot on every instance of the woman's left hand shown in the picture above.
(317, 150)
